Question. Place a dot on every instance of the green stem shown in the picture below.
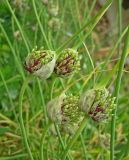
(111, 52)
(40, 25)
(19, 67)
(119, 22)
(91, 24)
(19, 26)
(21, 118)
(70, 144)
(91, 62)
(43, 101)
(61, 140)
(18, 156)
(10, 99)
(84, 147)
(116, 94)
(126, 152)
(42, 140)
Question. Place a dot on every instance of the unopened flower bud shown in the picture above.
(97, 103)
(67, 63)
(64, 111)
(41, 63)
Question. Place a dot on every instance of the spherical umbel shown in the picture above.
(40, 63)
(67, 63)
(64, 111)
(97, 103)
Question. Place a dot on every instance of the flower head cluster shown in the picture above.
(97, 103)
(43, 63)
(67, 62)
(64, 110)
(40, 62)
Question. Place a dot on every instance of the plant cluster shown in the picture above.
(68, 110)
(60, 115)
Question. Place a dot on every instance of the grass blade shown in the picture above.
(116, 94)
(70, 144)
(91, 24)
(21, 119)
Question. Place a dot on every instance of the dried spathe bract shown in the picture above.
(97, 103)
(40, 63)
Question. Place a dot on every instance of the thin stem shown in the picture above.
(21, 118)
(91, 62)
(42, 140)
(61, 140)
(116, 94)
(76, 135)
(126, 150)
(93, 21)
(19, 156)
(119, 22)
(40, 25)
(13, 51)
(112, 51)
(10, 99)
(11, 80)
(43, 101)
(19, 26)
(84, 147)
(91, 8)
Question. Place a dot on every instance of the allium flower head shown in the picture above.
(64, 110)
(53, 10)
(40, 63)
(67, 63)
(54, 23)
(97, 103)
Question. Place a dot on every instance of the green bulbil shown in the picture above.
(98, 104)
(67, 63)
(65, 112)
(40, 62)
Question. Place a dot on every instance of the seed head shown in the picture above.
(67, 63)
(40, 63)
(97, 103)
